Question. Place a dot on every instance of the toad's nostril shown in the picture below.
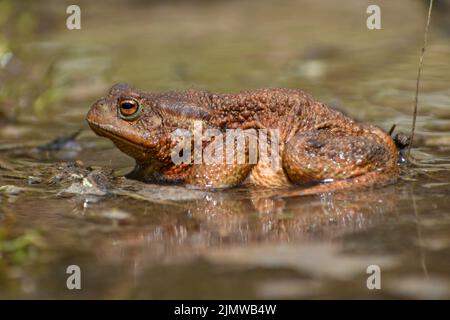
(103, 106)
(100, 106)
(97, 111)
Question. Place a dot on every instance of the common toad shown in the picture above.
(320, 148)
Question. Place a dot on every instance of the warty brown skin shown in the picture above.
(317, 144)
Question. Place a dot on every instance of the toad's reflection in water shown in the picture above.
(239, 217)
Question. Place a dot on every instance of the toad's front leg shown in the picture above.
(217, 176)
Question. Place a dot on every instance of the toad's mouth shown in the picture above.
(121, 140)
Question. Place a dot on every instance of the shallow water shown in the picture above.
(133, 240)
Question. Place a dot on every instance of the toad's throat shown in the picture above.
(142, 153)
(109, 132)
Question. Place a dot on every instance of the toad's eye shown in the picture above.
(129, 109)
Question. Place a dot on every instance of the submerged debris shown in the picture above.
(11, 190)
(5, 165)
(402, 141)
(63, 147)
(62, 142)
(74, 177)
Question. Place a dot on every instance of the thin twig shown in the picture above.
(419, 72)
(392, 129)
